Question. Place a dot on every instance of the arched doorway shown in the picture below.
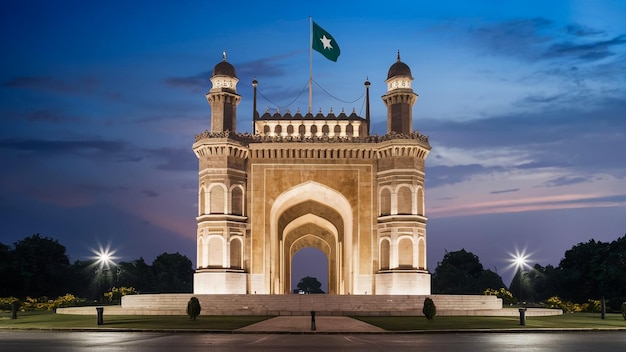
(309, 261)
(311, 215)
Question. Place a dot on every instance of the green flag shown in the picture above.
(325, 43)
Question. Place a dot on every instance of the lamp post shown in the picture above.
(520, 260)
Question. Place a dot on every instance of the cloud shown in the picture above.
(48, 115)
(447, 175)
(110, 150)
(517, 38)
(538, 39)
(567, 180)
(150, 193)
(582, 31)
(505, 191)
(585, 51)
(174, 159)
(196, 83)
(84, 86)
(552, 202)
(246, 71)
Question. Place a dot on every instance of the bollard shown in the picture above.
(313, 328)
(522, 316)
(100, 311)
(14, 308)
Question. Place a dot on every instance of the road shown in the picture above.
(19, 340)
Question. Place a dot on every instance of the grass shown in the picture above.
(47, 320)
(565, 321)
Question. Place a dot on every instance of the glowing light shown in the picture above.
(519, 260)
(104, 257)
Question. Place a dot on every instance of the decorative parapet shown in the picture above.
(247, 138)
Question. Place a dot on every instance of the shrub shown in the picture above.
(44, 303)
(624, 310)
(116, 294)
(555, 302)
(502, 293)
(5, 302)
(429, 309)
(193, 308)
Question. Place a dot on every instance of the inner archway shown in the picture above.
(311, 215)
(309, 261)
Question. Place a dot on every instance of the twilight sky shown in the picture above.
(524, 103)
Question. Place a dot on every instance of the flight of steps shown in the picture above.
(293, 304)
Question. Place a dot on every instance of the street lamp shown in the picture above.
(104, 257)
(519, 260)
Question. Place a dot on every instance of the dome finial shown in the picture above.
(224, 55)
(398, 55)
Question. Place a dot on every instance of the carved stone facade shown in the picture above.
(315, 181)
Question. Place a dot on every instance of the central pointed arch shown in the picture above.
(324, 216)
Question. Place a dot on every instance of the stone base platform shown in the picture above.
(322, 304)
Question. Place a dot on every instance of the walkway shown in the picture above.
(303, 324)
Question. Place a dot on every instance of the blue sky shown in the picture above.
(524, 103)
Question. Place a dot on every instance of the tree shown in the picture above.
(460, 272)
(43, 266)
(11, 281)
(193, 308)
(137, 274)
(310, 285)
(173, 273)
(429, 309)
(593, 270)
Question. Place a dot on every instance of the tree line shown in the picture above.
(38, 266)
(588, 271)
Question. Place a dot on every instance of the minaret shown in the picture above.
(223, 97)
(399, 98)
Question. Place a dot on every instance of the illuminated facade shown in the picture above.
(310, 180)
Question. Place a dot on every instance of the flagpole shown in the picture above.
(310, 64)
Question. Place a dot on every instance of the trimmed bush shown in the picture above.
(624, 310)
(193, 308)
(429, 309)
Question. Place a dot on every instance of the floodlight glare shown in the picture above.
(104, 257)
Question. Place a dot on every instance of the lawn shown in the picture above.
(49, 320)
(565, 321)
(38, 320)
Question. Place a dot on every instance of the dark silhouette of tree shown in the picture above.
(137, 274)
(11, 281)
(461, 272)
(42, 265)
(173, 273)
(310, 285)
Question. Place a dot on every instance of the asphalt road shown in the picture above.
(19, 340)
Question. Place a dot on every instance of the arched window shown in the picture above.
(384, 254)
(266, 129)
(217, 199)
(420, 201)
(202, 201)
(215, 252)
(385, 202)
(421, 252)
(405, 200)
(337, 130)
(301, 130)
(278, 130)
(237, 201)
(325, 130)
(235, 253)
(313, 130)
(405, 253)
(350, 130)
(200, 253)
(290, 130)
